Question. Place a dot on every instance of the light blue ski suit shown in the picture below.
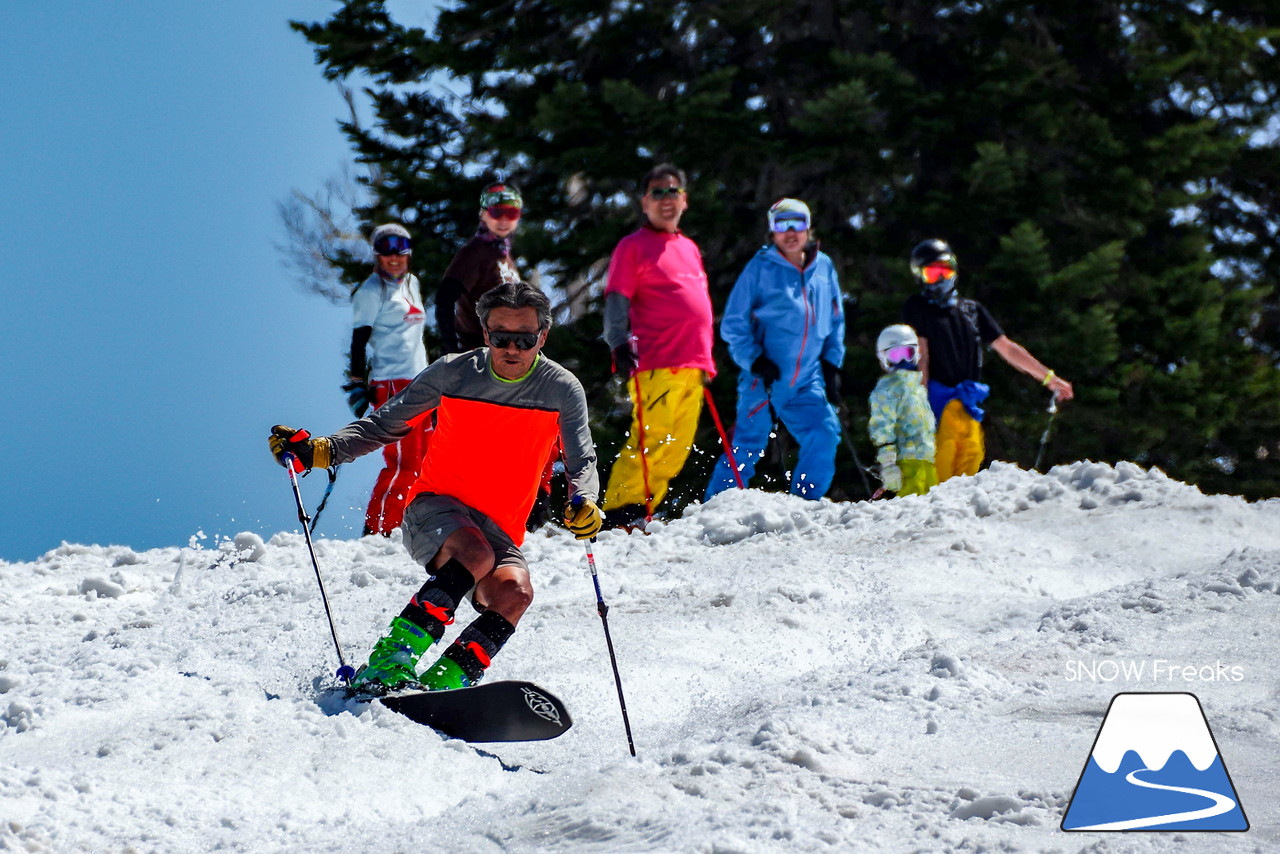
(797, 320)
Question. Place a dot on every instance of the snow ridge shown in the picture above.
(800, 676)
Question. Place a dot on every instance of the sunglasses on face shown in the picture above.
(392, 244)
(790, 224)
(661, 193)
(934, 273)
(522, 340)
(503, 212)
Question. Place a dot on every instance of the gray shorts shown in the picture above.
(430, 519)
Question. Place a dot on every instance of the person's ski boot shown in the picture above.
(459, 667)
(393, 662)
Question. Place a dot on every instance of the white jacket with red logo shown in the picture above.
(394, 310)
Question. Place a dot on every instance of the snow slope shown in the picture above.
(922, 674)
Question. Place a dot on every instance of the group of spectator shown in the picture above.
(784, 327)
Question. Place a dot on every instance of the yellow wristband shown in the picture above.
(1048, 378)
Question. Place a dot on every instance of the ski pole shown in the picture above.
(603, 610)
(728, 449)
(1044, 437)
(345, 672)
(328, 490)
(644, 452)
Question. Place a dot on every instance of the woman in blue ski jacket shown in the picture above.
(784, 324)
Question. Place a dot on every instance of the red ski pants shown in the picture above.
(402, 465)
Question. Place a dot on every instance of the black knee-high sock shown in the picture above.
(432, 607)
(479, 643)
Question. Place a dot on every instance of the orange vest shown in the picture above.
(479, 449)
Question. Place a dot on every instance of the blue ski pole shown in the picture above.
(345, 671)
(603, 610)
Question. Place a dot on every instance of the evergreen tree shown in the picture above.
(1106, 172)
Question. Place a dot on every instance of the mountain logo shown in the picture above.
(1154, 766)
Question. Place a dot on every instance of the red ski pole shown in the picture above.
(724, 439)
(644, 452)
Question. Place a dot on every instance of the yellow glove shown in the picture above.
(307, 452)
(583, 518)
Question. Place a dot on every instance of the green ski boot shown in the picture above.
(445, 674)
(394, 660)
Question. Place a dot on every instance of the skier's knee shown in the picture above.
(470, 548)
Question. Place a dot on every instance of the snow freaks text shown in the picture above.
(1156, 670)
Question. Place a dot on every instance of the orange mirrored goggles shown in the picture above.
(934, 273)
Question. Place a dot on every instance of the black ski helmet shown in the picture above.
(935, 251)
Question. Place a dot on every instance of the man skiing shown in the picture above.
(784, 324)
(498, 411)
(953, 332)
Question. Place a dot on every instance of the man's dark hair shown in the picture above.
(515, 295)
(663, 170)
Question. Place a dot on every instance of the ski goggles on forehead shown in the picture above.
(393, 244)
(503, 212)
(522, 340)
(934, 273)
(790, 223)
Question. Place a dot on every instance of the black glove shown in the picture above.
(307, 453)
(359, 397)
(831, 378)
(765, 369)
(624, 361)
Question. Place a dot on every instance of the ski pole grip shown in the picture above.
(575, 502)
(291, 462)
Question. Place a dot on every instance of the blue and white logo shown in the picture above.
(1155, 766)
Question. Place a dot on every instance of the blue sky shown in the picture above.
(152, 335)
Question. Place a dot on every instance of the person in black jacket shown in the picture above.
(482, 264)
(954, 333)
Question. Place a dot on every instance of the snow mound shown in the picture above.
(926, 673)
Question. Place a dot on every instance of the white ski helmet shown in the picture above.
(900, 338)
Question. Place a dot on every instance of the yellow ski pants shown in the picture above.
(959, 443)
(918, 477)
(665, 406)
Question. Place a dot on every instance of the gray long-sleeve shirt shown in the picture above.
(493, 437)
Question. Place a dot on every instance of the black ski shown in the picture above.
(493, 711)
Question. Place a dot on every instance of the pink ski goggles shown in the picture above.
(894, 355)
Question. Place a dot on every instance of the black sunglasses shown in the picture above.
(522, 340)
